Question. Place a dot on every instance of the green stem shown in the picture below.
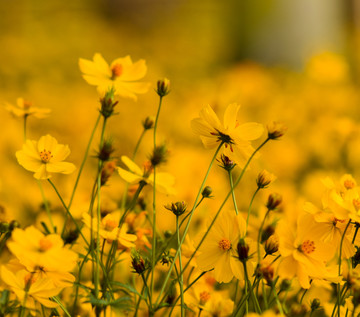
(68, 211)
(259, 235)
(147, 289)
(84, 160)
(25, 118)
(252, 295)
(181, 281)
(278, 301)
(46, 204)
(250, 206)
(188, 223)
(233, 193)
(57, 300)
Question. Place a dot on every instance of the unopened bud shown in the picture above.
(315, 304)
(137, 262)
(226, 163)
(108, 104)
(267, 232)
(285, 285)
(272, 245)
(266, 271)
(71, 236)
(106, 150)
(163, 87)
(243, 250)
(159, 155)
(148, 123)
(276, 130)
(177, 208)
(274, 201)
(207, 191)
(264, 179)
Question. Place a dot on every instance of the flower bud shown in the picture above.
(276, 130)
(137, 262)
(266, 271)
(285, 285)
(148, 123)
(243, 250)
(13, 224)
(4, 227)
(272, 245)
(298, 310)
(163, 87)
(264, 179)
(166, 258)
(105, 151)
(168, 234)
(159, 155)
(315, 304)
(226, 163)
(71, 236)
(267, 232)
(177, 208)
(108, 104)
(207, 191)
(274, 201)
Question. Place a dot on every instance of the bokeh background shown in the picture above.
(291, 61)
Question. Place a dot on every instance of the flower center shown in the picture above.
(222, 137)
(224, 244)
(116, 71)
(356, 203)
(307, 247)
(45, 244)
(110, 224)
(349, 184)
(204, 297)
(45, 156)
(27, 104)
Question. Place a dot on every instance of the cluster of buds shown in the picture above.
(163, 87)
(107, 170)
(264, 179)
(177, 208)
(276, 130)
(226, 163)
(159, 155)
(108, 104)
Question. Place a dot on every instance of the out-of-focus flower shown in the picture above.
(122, 74)
(264, 179)
(235, 136)
(134, 174)
(45, 157)
(25, 108)
(163, 87)
(276, 130)
(110, 231)
(39, 288)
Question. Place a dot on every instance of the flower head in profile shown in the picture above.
(235, 136)
(134, 174)
(25, 108)
(122, 74)
(45, 157)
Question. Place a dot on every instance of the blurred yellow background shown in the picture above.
(295, 62)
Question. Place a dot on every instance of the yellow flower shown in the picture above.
(219, 249)
(122, 74)
(110, 231)
(25, 108)
(134, 174)
(235, 136)
(45, 157)
(47, 254)
(40, 288)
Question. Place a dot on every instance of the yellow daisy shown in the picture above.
(45, 157)
(122, 74)
(25, 108)
(235, 136)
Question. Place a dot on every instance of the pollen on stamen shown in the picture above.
(225, 244)
(349, 184)
(307, 247)
(116, 70)
(45, 156)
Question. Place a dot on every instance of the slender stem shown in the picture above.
(46, 204)
(259, 235)
(147, 288)
(68, 211)
(356, 231)
(278, 301)
(252, 295)
(233, 193)
(188, 223)
(25, 119)
(181, 281)
(84, 160)
(250, 206)
(57, 300)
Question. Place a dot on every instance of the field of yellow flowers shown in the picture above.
(139, 194)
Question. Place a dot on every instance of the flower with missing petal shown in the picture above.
(45, 157)
(235, 136)
(122, 74)
(25, 108)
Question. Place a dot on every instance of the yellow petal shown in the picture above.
(131, 165)
(210, 117)
(250, 131)
(47, 143)
(60, 153)
(60, 167)
(230, 116)
(129, 176)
